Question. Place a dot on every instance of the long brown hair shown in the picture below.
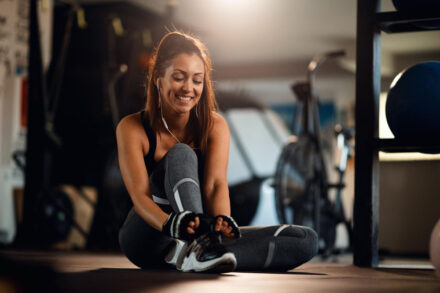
(171, 45)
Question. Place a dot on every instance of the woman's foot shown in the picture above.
(203, 254)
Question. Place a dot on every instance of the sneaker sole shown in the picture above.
(173, 256)
(226, 263)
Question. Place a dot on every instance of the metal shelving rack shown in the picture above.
(370, 23)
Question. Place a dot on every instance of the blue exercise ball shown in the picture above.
(413, 102)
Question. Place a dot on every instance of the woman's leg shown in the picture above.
(182, 186)
(278, 248)
(142, 244)
(174, 187)
(274, 248)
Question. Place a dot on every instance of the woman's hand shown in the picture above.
(201, 224)
(193, 225)
(227, 226)
(224, 228)
(182, 225)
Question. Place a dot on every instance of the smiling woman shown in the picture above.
(181, 86)
(181, 67)
(173, 158)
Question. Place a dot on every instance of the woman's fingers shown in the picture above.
(193, 225)
(224, 228)
(228, 234)
(219, 224)
(196, 222)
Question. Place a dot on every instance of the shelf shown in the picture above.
(401, 22)
(392, 145)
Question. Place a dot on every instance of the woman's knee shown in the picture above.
(181, 159)
(182, 151)
(181, 162)
(305, 237)
(312, 240)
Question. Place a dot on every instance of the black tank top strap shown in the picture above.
(149, 158)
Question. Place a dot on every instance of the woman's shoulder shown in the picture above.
(131, 127)
(130, 121)
(219, 123)
(218, 120)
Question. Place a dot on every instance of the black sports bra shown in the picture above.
(150, 162)
(149, 158)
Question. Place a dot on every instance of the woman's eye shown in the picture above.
(177, 78)
(198, 81)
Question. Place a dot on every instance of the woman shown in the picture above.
(173, 157)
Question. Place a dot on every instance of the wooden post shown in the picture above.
(366, 205)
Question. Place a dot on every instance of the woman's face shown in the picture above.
(182, 84)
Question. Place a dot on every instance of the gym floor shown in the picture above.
(36, 271)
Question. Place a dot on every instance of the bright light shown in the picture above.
(396, 79)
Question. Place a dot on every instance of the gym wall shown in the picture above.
(14, 19)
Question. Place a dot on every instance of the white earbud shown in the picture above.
(161, 114)
(164, 122)
(163, 119)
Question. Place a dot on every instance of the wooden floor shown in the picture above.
(22, 271)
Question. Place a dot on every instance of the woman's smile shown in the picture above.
(184, 98)
(182, 83)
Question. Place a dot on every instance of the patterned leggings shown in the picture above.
(175, 186)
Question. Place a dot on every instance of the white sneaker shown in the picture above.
(204, 254)
(176, 251)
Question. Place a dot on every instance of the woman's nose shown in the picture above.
(187, 86)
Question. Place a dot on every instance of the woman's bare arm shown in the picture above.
(132, 143)
(216, 192)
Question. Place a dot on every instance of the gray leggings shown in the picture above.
(175, 186)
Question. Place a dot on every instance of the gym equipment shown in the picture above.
(54, 216)
(261, 148)
(419, 5)
(434, 247)
(413, 101)
(411, 5)
(245, 199)
(257, 140)
(301, 186)
(86, 90)
(251, 124)
(57, 212)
